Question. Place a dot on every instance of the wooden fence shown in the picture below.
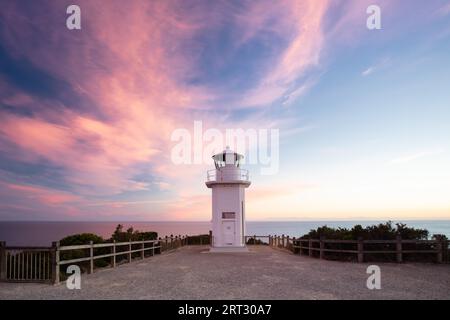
(26, 264)
(43, 264)
(362, 248)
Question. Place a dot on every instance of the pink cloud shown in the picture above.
(45, 196)
(302, 53)
(130, 61)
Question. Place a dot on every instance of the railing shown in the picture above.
(227, 174)
(43, 264)
(21, 264)
(361, 248)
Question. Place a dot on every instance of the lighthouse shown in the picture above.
(228, 182)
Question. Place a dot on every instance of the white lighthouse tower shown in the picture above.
(228, 182)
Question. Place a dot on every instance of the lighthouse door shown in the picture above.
(228, 232)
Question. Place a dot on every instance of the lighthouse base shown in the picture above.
(228, 249)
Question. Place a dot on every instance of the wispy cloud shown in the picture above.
(444, 10)
(302, 53)
(417, 155)
(376, 67)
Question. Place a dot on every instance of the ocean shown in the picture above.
(43, 233)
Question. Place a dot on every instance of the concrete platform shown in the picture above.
(263, 273)
(229, 250)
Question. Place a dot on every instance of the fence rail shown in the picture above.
(43, 264)
(361, 248)
(21, 264)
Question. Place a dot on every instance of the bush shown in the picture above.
(382, 231)
(81, 239)
(252, 241)
(199, 239)
(132, 235)
(85, 238)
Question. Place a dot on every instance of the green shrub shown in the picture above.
(85, 238)
(199, 239)
(255, 241)
(81, 239)
(382, 231)
(132, 235)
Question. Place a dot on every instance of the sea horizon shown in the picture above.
(43, 233)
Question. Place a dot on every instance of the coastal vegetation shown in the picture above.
(119, 235)
(382, 231)
(379, 232)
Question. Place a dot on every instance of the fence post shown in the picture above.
(91, 255)
(293, 245)
(282, 240)
(210, 237)
(310, 252)
(129, 251)
(55, 262)
(321, 247)
(159, 244)
(171, 241)
(143, 250)
(287, 242)
(113, 257)
(360, 250)
(300, 245)
(166, 244)
(398, 248)
(440, 248)
(2, 260)
(445, 250)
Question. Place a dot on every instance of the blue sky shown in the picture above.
(87, 115)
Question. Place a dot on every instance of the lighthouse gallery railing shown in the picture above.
(224, 174)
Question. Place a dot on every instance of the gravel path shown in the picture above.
(264, 273)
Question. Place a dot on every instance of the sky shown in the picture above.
(87, 116)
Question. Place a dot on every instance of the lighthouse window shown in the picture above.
(228, 215)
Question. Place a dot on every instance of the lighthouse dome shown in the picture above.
(227, 158)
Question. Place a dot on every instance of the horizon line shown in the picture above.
(205, 221)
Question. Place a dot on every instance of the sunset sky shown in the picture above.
(86, 116)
